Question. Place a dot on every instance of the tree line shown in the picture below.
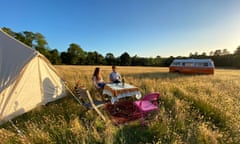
(75, 55)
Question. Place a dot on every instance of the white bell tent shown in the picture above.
(27, 79)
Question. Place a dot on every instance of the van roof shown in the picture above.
(192, 60)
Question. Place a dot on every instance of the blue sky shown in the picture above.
(146, 28)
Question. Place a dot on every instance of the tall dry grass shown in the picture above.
(193, 109)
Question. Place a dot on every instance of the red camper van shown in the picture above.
(192, 66)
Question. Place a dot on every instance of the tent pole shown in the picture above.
(17, 129)
(75, 97)
(20, 133)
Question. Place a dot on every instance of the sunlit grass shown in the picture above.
(193, 109)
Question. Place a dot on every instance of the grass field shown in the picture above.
(193, 109)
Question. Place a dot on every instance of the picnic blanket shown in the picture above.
(122, 112)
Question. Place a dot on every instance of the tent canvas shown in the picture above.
(27, 79)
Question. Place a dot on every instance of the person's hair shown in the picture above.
(113, 66)
(96, 72)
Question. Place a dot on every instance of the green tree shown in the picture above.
(90, 59)
(100, 59)
(20, 37)
(28, 38)
(9, 31)
(225, 52)
(237, 51)
(134, 60)
(125, 59)
(158, 61)
(41, 45)
(54, 57)
(140, 61)
(236, 57)
(94, 58)
(110, 59)
(65, 58)
(75, 52)
(34, 40)
(218, 52)
(168, 61)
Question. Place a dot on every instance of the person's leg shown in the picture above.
(101, 85)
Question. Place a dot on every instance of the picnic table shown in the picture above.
(121, 90)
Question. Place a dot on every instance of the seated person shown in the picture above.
(97, 79)
(114, 76)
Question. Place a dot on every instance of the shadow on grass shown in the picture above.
(135, 134)
(65, 107)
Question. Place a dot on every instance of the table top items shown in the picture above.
(120, 90)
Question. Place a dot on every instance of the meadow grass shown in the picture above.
(193, 109)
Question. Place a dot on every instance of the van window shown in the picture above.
(189, 64)
(205, 64)
(176, 64)
(201, 64)
(210, 64)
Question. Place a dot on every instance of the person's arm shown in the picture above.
(111, 77)
(120, 77)
(95, 83)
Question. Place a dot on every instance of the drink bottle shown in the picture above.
(123, 81)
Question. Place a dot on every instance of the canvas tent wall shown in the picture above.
(27, 79)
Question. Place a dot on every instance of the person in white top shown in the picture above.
(114, 76)
(97, 78)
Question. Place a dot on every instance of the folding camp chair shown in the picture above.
(146, 105)
(86, 100)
